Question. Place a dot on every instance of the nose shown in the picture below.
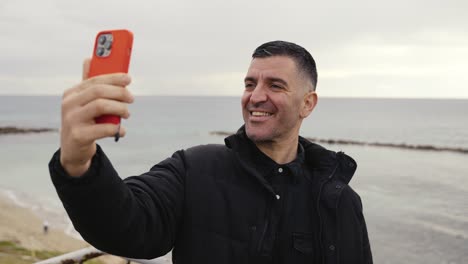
(259, 94)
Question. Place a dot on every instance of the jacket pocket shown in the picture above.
(304, 248)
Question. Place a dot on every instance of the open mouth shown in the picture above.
(256, 113)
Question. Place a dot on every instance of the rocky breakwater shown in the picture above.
(8, 130)
(373, 144)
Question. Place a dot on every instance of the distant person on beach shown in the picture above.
(45, 227)
(266, 196)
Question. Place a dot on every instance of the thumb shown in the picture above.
(86, 64)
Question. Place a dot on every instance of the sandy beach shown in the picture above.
(21, 226)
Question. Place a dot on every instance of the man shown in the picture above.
(267, 196)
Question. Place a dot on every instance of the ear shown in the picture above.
(308, 104)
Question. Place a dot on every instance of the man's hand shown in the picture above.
(104, 94)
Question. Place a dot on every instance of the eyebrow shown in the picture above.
(269, 79)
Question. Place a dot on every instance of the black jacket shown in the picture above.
(209, 202)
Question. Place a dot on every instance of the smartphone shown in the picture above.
(111, 54)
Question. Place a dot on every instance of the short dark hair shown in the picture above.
(304, 61)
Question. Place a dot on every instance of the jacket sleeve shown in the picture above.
(137, 217)
(367, 253)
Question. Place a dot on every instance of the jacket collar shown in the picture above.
(328, 163)
(257, 163)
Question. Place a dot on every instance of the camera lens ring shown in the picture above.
(108, 45)
(100, 51)
(102, 39)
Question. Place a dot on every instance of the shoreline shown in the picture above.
(43, 208)
(21, 226)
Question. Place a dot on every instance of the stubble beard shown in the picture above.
(261, 139)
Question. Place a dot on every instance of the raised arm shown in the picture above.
(81, 104)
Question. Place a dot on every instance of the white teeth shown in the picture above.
(260, 114)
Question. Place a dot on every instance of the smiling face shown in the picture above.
(276, 99)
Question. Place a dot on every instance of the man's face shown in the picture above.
(273, 100)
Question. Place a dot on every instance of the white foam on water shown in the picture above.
(12, 196)
(70, 230)
(45, 208)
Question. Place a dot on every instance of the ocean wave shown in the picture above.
(13, 197)
(372, 144)
(70, 229)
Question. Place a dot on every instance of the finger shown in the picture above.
(67, 92)
(117, 79)
(104, 91)
(86, 64)
(88, 134)
(84, 76)
(100, 107)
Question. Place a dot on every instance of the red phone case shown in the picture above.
(117, 61)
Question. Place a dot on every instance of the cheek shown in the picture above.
(299, 103)
(245, 99)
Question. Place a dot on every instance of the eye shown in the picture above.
(276, 86)
(249, 85)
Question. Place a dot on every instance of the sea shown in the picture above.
(415, 200)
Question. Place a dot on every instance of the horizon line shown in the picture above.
(238, 96)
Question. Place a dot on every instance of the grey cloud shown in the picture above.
(179, 43)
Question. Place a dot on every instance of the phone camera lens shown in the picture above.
(108, 45)
(102, 39)
(100, 51)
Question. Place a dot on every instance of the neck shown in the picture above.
(281, 152)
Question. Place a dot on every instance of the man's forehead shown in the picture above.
(275, 66)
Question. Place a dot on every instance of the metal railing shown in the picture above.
(82, 255)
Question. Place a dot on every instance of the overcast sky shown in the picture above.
(397, 48)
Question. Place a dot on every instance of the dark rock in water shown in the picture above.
(373, 144)
(17, 130)
(390, 145)
(220, 133)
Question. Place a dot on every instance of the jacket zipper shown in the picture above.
(265, 228)
(318, 211)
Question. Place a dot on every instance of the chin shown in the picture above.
(258, 136)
